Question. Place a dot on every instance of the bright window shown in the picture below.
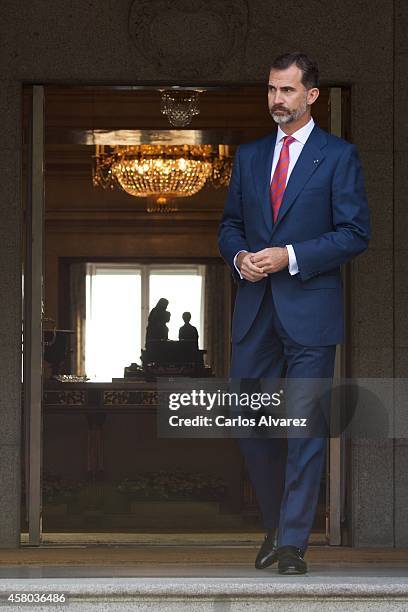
(118, 301)
(113, 320)
(183, 289)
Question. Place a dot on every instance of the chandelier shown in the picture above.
(161, 173)
(179, 106)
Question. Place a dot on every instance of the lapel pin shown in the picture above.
(315, 161)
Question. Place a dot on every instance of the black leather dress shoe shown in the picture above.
(291, 561)
(267, 553)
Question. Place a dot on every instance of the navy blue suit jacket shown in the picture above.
(324, 215)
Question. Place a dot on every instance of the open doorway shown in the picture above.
(106, 254)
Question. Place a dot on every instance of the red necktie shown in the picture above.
(278, 183)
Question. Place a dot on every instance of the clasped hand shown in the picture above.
(255, 266)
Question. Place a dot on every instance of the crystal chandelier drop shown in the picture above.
(179, 106)
(161, 173)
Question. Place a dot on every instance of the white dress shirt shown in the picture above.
(295, 150)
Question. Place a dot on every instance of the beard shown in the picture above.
(289, 115)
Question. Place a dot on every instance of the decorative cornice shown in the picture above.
(189, 38)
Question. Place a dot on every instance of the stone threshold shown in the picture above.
(143, 554)
(206, 538)
(223, 594)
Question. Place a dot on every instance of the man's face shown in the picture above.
(288, 99)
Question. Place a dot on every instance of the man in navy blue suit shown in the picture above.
(296, 211)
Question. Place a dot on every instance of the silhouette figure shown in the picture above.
(188, 331)
(156, 322)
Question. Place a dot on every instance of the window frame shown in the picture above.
(145, 270)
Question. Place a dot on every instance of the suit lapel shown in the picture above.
(308, 161)
(262, 165)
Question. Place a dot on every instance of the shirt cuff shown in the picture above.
(235, 262)
(293, 267)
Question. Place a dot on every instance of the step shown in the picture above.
(219, 594)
